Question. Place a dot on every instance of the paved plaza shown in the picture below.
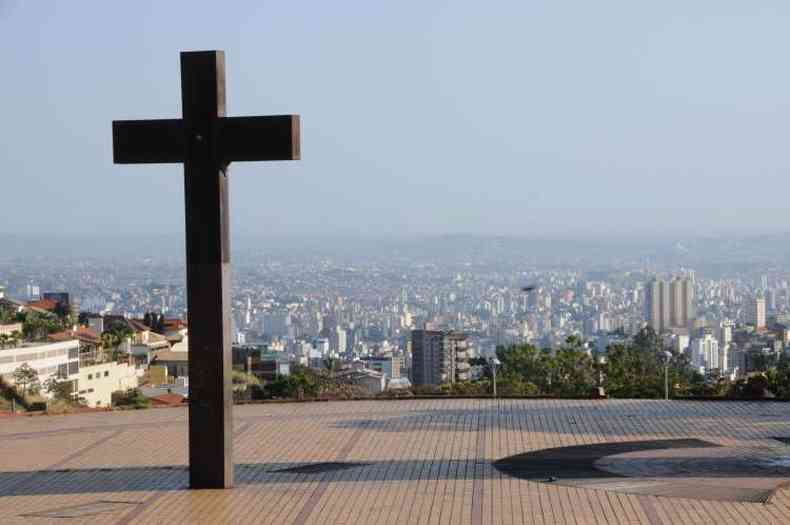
(418, 461)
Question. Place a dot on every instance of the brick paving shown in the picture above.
(417, 461)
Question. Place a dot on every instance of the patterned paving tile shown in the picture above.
(413, 461)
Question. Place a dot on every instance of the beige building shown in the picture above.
(670, 305)
(657, 305)
(682, 308)
(8, 329)
(176, 363)
(756, 312)
(97, 383)
(145, 345)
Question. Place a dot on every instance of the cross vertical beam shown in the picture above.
(208, 272)
(206, 141)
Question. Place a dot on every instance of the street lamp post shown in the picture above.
(668, 356)
(494, 363)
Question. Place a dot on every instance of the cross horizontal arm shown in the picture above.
(147, 141)
(273, 137)
(240, 139)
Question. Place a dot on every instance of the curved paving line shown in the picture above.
(578, 461)
(575, 466)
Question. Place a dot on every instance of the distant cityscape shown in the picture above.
(382, 322)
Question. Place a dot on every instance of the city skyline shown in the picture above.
(501, 262)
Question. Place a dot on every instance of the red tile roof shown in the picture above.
(83, 333)
(44, 304)
(174, 324)
(167, 400)
(138, 326)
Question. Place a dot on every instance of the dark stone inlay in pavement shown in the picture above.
(682, 468)
(320, 468)
(84, 510)
(578, 461)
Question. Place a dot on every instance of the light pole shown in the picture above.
(494, 363)
(668, 356)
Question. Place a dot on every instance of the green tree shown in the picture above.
(7, 315)
(244, 384)
(481, 362)
(513, 386)
(631, 371)
(15, 338)
(60, 389)
(63, 312)
(301, 381)
(756, 386)
(761, 362)
(112, 338)
(131, 398)
(36, 326)
(779, 378)
(636, 369)
(573, 371)
(26, 378)
(527, 364)
(330, 365)
(10, 394)
(121, 332)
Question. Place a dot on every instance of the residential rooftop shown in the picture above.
(37, 344)
(468, 461)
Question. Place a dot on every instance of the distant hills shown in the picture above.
(703, 252)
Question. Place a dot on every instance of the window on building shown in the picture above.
(106, 373)
(74, 353)
(74, 368)
(90, 390)
(90, 376)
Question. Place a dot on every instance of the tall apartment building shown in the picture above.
(669, 304)
(756, 312)
(682, 307)
(657, 305)
(439, 357)
(705, 353)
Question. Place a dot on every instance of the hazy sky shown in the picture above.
(524, 117)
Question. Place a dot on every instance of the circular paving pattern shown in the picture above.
(685, 468)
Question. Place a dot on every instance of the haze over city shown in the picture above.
(482, 262)
(564, 119)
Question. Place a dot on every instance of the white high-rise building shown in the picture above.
(725, 341)
(341, 340)
(705, 353)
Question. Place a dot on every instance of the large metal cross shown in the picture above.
(206, 141)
